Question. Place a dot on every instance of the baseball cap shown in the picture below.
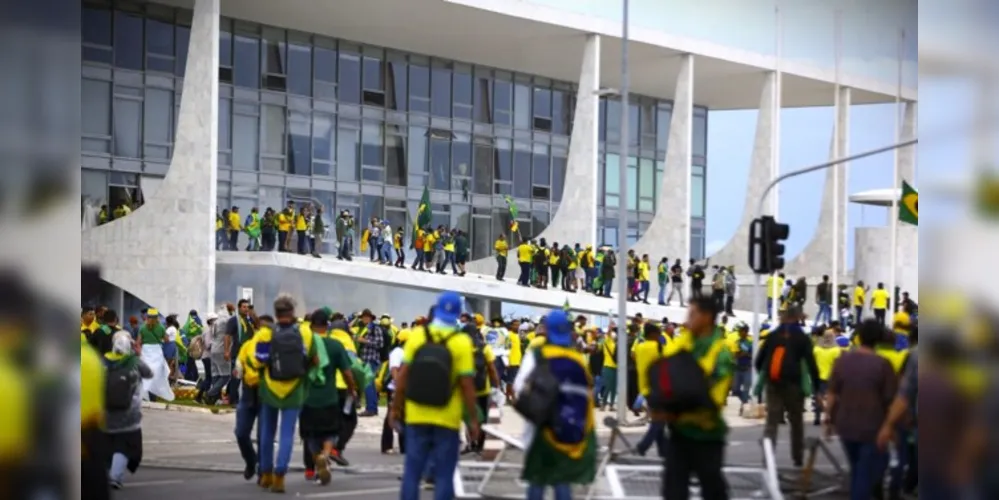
(448, 307)
(152, 312)
(559, 327)
(212, 316)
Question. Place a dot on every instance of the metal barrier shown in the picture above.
(812, 480)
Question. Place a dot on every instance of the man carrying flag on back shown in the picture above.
(422, 220)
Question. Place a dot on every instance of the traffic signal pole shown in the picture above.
(758, 277)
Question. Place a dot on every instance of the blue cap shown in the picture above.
(448, 308)
(558, 327)
(843, 341)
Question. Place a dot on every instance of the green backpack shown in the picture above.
(360, 370)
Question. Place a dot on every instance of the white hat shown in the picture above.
(211, 317)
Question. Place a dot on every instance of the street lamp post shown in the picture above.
(622, 230)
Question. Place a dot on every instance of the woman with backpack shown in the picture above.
(123, 405)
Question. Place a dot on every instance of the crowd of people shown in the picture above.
(439, 374)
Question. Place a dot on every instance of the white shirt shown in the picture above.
(171, 334)
(394, 361)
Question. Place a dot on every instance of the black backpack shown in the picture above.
(677, 384)
(698, 274)
(478, 357)
(430, 382)
(287, 358)
(120, 388)
(537, 402)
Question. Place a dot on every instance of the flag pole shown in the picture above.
(837, 232)
(895, 184)
(775, 137)
(622, 227)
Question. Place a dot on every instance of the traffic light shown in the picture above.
(766, 244)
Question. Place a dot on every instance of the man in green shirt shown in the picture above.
(283, 359)
(319, 422)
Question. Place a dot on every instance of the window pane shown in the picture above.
(522, 106)
(542, 102)
(502, 102)
(158, 116)
(417, 153)
(647, 183)
(225, 48)
(633, 123)
(127, 128)
(658, 182)
(501, 224)
(697, 196)
(372, 145)
(482, 243)
(632, 183)
(440, 99)
(700, 132)
(397, 85)
(483, 171)
(300, 69)
(225, 124)
(503, 170)
(96, 26)
(274, 47)
(245, 138)
(440, 163)
(246, 67)
(558, 177)
(461, 165)
(522, 171)
(96, 107)
(541, 175)
(561, 112)
(612, 182)
(482, 97)
(346, 154)
(127, 40)
(325, 64)
(274, 130)
(461, 217)
(350, 77)
(419, 78)
(373, 74)
(182, 40)
(462, 88)
(662, 129)
(395, 160)
(323, 137)
(371, 206)
(613, 121)
(299, 149)
(159, 37)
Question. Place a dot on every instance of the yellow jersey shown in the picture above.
(524, 253)
(879, 299)
(234, 223)
(462, 365)
(643, 271)
(284, 222)
(825, 358)
(501, 248)
(858, 296)
(646, 353)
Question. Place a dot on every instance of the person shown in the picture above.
(676, 282)
(282, 360)
(431, 428)
(318, 231)
(170, 347)
(558, 456)
(319, 420)
(371, 338)
(731, 290)
(608, 271)
(486, 376)
(206, 356)
(123, 419)
(248, 403)
(861, 389)
(661, 278)
(400, 252)
(235, 227)
(338, 330)
(302, 230)
(879, 303)
(775, 287)
(524, 258)
(238, 329)
(152, 337)
(697, 439)
(823, 298)
(393, 367)
(696, 273)
(646, 352)
(785, 359)
(285, 219)
(642, 275)
(826, 353)
(221, 363)
(743, 351)
(608, 374)
(859, 294)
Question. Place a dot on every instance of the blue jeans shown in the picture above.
(608, 286)
(643, 290)
(662, 294)
(220, 239)
(285, 430)
(345, 244)
(246, 414)
(825, 311)
(387, 253)
(537, 491)
(655, 434)
(449, 259)
(420, 259)
(770, 305)
(598, 385)
(424, 444)
(589, 273)
(867, 465)
(370, 394)
(742, 385)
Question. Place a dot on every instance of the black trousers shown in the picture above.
(348, 422)
(729, 302)
(500, 266)
(879, 314)
(686, 457)
(483, 404)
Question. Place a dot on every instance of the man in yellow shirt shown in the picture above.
(646, 352)
(525, 254)
(879, 303)
(284, 221)
(235, 225)
(859, 294)
(431, 427)
(642, 274)
(429, 239)
(501, 248)
(608, 375)
(775, 287)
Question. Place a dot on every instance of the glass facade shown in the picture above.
(311, 118)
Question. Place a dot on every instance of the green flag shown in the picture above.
(512, 206)
(566, 307)
(423, 213)
(908, 206)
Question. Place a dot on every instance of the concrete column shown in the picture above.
(576, 219)
(907, 155)
(669, 233)
(736, 251)
(164, 252)
(817, 257)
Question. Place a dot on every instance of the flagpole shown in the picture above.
(775, 137)
(837, 232)
(622, 229)
(895, 184)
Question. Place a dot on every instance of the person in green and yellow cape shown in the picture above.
(252, 228)
(566, 454)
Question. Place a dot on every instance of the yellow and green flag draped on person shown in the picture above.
(512, 206)
(424, 215)
(908, 205)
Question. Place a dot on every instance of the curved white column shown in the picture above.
(576, 218)
(164, 252)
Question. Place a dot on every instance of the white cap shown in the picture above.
(211, 317)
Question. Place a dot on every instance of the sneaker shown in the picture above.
(277, 486)
(310, 474)
(322, 470)
(249, 471)
(338, 459)
(115, 485)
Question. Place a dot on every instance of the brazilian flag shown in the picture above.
(423, 214)
(908, 206)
